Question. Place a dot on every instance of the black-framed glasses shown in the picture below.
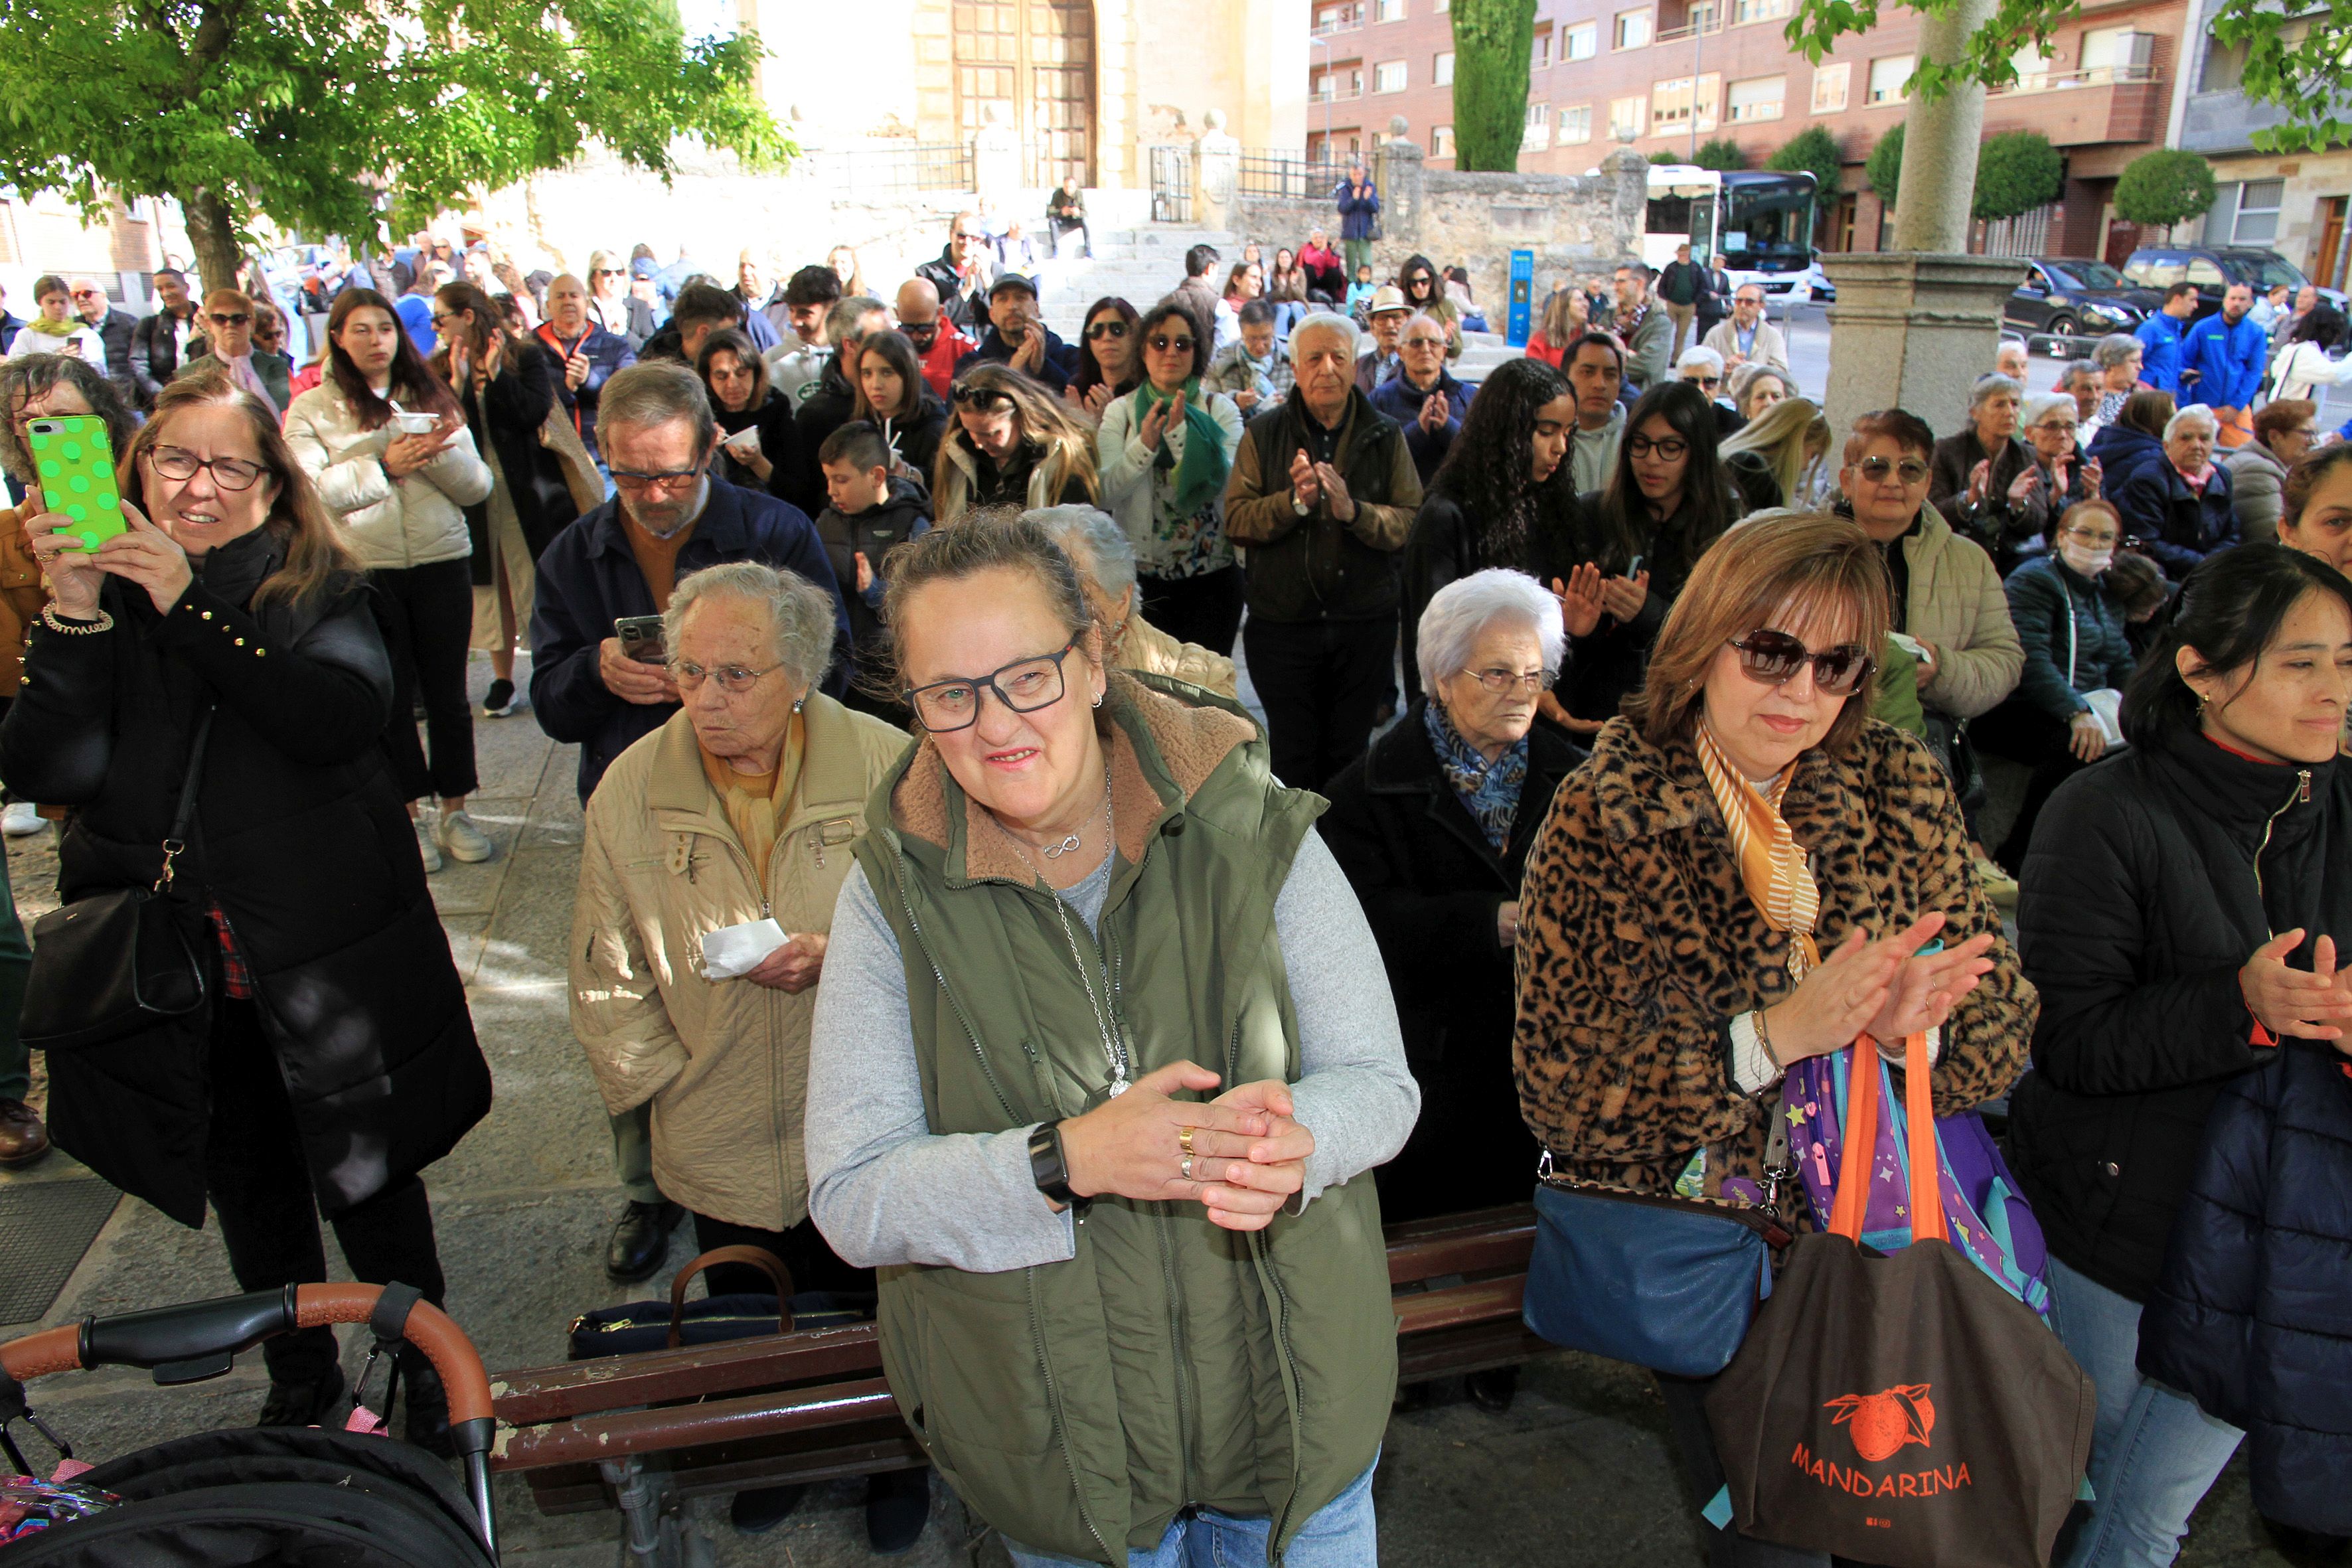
(229, 473)
(666, 478)
(1774, 659)
(982, 399)
(1501, 681)
(1024, 687)
(609, 272)
(1163, 344)
(1910, 470)
(733, 678)
(228, 318)
(1113, 327)
(1670, 447)
(1709, 382)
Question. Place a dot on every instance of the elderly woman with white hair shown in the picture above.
(1099, 548)
(1703, 368)
(734, 817)
(1433, 825)
(1983, 479)
(2181, 509)
(2052, 422)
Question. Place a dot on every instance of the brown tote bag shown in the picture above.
(1899, 1408)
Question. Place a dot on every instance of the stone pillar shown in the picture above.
(1400, 169)
(1912, 330)
(1630, 212)
(1216, 175)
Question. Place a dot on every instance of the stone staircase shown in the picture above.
(1139, 265)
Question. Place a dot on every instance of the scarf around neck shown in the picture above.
(49, 329)
(1771, 866)
(1488, 790)
(1200, 473)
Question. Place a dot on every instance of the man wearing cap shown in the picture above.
(1018, 338)
(1381, 358)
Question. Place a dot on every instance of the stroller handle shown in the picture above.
(234, 1323)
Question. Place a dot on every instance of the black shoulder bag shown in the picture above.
(116, 963)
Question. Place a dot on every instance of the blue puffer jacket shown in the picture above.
(2122, 451)
(2253, 1315)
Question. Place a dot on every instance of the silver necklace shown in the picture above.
(1103, 1008)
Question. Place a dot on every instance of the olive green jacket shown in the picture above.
(1078, 1406)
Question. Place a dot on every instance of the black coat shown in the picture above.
(2139, 905)
(917, 436)
(780, 443)
(155, 352)
(1431, 886)
(301, 839)
(826, 408)
(505, 421)
(1440, 550)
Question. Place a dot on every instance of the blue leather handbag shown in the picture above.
(1667, 1283)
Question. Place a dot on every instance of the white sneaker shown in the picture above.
(425, 844)
(22, 818)
(462, 841)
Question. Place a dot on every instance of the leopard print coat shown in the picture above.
(1638, 945)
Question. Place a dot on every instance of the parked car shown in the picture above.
(2213, 268)
(2068, 302)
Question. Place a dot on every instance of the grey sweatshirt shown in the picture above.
(884, 1190)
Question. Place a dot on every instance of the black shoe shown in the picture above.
(898, 1504)
(499, 700)
(427, 1404)
(757, 1511)
(640, 1243)
(1411, 1397)
(307, 1403)
(1492, 1390)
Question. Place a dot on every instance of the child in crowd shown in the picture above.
(1360, 293)
(873, 511)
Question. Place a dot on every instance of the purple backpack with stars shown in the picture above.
(1990, 1222)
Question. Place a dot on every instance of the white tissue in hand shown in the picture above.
(732, 951)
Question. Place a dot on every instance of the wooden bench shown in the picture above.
(638, 1432)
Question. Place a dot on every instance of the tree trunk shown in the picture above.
(213, 234)
(1940, 140)
(1492, 42)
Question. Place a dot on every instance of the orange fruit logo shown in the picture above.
(1880, 1424)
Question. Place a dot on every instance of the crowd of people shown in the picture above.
(1623, 751)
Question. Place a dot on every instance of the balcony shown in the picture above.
(2085, 108)
(1330, 19)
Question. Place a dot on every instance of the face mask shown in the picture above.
(2084, 560)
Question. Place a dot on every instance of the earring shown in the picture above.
(1098, 696)
(2201, 700)
(798, 703)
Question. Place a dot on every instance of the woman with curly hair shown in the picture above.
(1424, 292)
(1009, 444)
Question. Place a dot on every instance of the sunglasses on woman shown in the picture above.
(1910, 470)
(1774, 657)
(1163, 344)
(981, 400)
(1112, 328)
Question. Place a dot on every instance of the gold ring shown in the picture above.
(1185, 1136)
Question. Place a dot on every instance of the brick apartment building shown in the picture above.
(1675, 73)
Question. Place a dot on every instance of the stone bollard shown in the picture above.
(1217, 174)
(1913, 330)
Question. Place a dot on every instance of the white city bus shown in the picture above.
(1760, 224)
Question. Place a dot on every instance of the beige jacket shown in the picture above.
(1146, 648)
(725, 1063)
(1957, 604)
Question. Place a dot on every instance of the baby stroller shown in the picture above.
(257, 1495)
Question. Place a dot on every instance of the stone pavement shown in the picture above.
(1577, 1473)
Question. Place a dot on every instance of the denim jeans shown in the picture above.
(2153, 1454)
(1341, 1534)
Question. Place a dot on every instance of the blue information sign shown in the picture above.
(1523, 296)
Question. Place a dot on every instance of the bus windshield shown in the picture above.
(1767, 225)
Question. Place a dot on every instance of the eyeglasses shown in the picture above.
(88, 294)
(1709, 382)
(1113, 327)
(1163, 344)
(733, 678)
(1774, 657)
(982, 399)
(1024, 687)
(1670, 447)
(609, 272)
(2055, 425)
(2087, 537)
(228, 318)
(1424, 342)
(1500, 681)
(1910, 470)
(668, 479)
(229, 473)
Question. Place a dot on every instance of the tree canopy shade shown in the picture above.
(330, 117)
(1884, 169)
(2164, 188)
(1811, 151)
(1492, 41)
(2017, 172)
(1721, 153)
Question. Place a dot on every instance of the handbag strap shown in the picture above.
(757, 1258)
(176, 841)
(1859, 1136)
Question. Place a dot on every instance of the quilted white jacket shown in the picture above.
(413, 521)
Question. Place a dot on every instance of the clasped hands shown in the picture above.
(1311, 482)
(1248, 1156)
(2297, 1002)
(1887, 989)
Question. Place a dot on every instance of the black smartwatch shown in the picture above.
(1049, 1169)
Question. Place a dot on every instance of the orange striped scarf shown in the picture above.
(1771, 866)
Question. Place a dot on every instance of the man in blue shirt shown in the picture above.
(2159, 339)
(2226, 354)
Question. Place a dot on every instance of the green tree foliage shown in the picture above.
(1884, 169)
(1723, 153)
(1492, 41)
(1666, 159)
(1811, 151)
(333, 118)
(2164, 188)
(2017, 172)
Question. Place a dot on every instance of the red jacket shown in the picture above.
(951, 345)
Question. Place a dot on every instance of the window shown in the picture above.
(1632, 29)
(1536, 135)
(2206, 274)
(1441, 142)
(2031, 63)
(1830, 86)
(1340, 82)
(1389, 77)
(1758, 98)
(2244, 213)
(1339, 17)
(1758, 10)
(1441, 70)
(1442, 7)
(1390, 11)
(1887, 78)
(1627, 116)
(1576, 125)
(2225, 67)
(1672, 103)
(1541, 58)
(2117, 54)
(1580, 42)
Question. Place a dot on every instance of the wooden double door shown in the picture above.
(1035, 61)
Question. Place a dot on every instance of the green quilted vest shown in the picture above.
(1077, 1406)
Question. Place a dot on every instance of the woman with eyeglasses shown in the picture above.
(1985, 478)
(2285, 428)
(893, 397)
(773, 777)
(224, 650)
(55, 329)
(2075, 633)
(1667, 500)
(1424, 294)
(1009, 444)
(400, 495)
(1432, 827)
(1731, 831)
(506, 384)
(1110, 357)
(760, 449)
(229, 319)
(1104, 1043)
(1165, 450)
(2065, 478)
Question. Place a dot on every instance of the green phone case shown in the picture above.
(75, 463)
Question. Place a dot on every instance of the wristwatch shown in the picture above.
(1298, 506)
(1047, 1167)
